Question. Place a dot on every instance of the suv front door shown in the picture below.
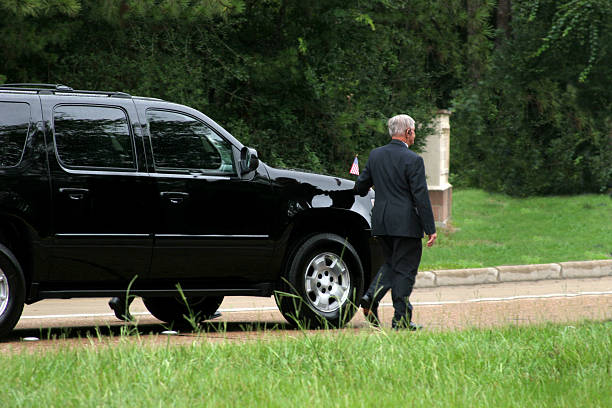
(213, 226)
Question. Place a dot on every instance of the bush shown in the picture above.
(534, 124)
(308, 84)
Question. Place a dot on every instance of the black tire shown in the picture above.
(310, 276)
(12, 291)
(173, 309)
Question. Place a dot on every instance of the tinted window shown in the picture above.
(93, 136)
(182, 142)
(14, 123)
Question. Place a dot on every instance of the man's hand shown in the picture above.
(432, 239)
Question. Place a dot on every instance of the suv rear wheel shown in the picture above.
(322, 284)
(12, 290)
(173, 309)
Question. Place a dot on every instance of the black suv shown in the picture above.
(102, 189)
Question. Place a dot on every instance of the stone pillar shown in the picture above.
(436, 157)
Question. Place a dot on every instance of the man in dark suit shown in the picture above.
(401, 213)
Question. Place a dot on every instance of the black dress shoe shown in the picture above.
(370, 310)
(120, 309)
(412, 326)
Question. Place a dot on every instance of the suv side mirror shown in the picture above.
(248, 160)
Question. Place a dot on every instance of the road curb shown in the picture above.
(514, 273)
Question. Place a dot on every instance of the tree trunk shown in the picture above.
(473, 33)
(503, 22)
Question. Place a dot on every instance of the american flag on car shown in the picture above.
(355, 167)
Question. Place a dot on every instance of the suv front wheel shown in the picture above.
(322, 283)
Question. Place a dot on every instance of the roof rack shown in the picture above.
(59, 88)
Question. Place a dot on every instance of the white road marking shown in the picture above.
(273, 308)
(65, 316)
(503, 299)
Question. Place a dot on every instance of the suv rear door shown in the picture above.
(101, 190)
(212, 225)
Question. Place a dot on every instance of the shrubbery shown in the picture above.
(311, 83)
(539, 121)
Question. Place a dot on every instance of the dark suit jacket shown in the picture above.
(402, 206)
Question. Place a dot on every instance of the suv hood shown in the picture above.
(315, 191)
(309, 180)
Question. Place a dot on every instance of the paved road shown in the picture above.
(443, 308)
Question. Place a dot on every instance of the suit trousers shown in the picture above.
(398, 273)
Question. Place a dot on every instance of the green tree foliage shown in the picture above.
(539, 120)
(311, 83)
(308, 83)
(27, 28)
(577, 24)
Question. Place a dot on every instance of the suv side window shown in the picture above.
(14, 125)
(93, 136)
(183, 142)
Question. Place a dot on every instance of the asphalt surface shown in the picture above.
(90, 321)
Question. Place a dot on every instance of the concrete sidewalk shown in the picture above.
(514, 273)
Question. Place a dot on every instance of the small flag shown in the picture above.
(355, 167)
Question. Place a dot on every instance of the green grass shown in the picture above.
(537, 366)
(494, 229)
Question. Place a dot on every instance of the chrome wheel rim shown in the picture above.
(327, 282)
(4, 292)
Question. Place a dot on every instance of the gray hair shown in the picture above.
(399, 124)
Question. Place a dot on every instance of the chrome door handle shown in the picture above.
(74, 193)
(175, 197)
